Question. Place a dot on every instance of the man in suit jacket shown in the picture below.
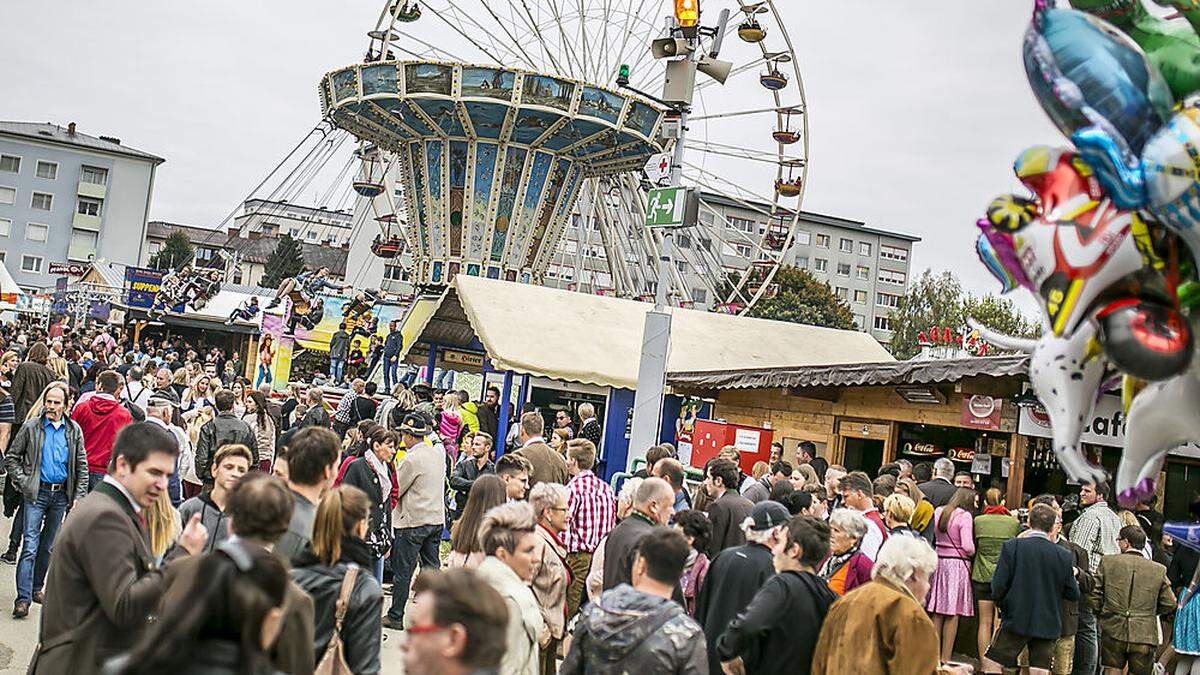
(1033, 576)
(546, 465)
(651, 507)
(728, 508)
(103, 583)
(1131, 593)
(939, 490)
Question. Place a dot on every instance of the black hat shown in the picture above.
(414, 424)
(768, 514)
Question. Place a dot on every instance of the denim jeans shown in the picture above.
(412, 543)
(391, 371)
(377, 569)
(1087, 642)
(445, 379)
(42, 519)
(337, 368)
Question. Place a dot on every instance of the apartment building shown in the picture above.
(245, 258)
(69, 197)
(867, 266)
(310, 224)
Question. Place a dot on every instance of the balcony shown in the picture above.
(86, 189)
(86, 222)
(81, 252)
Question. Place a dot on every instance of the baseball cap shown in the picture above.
(768, 514)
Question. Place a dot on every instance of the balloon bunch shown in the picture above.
(1107, 239)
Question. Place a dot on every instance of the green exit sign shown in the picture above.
(671, 207)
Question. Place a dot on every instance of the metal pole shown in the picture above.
(656, 335)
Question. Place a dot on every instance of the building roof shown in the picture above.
(46, 132)
(917, 371)
(597, 339)
(809, 216)
(255, 248)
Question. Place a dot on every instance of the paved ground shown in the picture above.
(17, 638)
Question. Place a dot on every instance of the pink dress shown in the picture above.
(449, 429)
(950, 586)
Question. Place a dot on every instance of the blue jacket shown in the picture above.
(1032, 576)
(393, 344)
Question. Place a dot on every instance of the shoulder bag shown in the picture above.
(333, 661)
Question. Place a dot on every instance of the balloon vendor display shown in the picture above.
(1106, 240)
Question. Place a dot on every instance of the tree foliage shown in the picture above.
(938, 300)
(804, 299)
(176, 252)
(285, 261)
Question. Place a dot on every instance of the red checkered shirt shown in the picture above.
(591, 512)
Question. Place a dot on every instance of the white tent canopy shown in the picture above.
(595, 339)
(9, 290)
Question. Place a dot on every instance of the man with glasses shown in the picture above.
(458, 625)
(562, 420)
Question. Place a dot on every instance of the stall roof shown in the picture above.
(925, 371)
(9, 290)
(595, 339)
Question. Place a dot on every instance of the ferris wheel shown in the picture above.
(502, 123)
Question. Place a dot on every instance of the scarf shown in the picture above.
(996, 510)
(385, 480)
(835, 562)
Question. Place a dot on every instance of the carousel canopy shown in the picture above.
(491, 159)
(606, 350)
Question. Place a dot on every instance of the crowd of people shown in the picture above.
(168, 516)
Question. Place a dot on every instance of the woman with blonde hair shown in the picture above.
(992, 528)
(551, 576)
(897, 514)
(922, 508)
(339, 556)
(450, 424)
(197, 397)
(163, 525)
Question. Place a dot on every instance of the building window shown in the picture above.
(8, 196)
(893, 253)
(41, 201)
(744, 224)
(860, 297)
(393, 272)
(821, 265)
(31, 263)
(859, 321)
(863, 272)
(10, 164)
(891, 277)
(822, 241)
(699, 296)
(83, 245)
(683, 241)
(89, 206)
(5, 227)
(94, 175)
(36, 232)
(155, 247)
(743, 251)
(841, 292)
(843, 269)
(802, 262)
(864, 248)
(883, 323)
(803, 237)
(846, 245)
(311, 236)
(47, 170)
(887, 300)
(294, 232)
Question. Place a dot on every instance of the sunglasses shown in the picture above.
(426, 629)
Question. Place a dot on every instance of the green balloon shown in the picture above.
(1172, 45)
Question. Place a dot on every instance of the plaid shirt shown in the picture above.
(1096, 531)
(342, 414)
(591, 512)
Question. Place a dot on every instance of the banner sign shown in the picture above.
(141, 285)
(981, 412)
(72, 269)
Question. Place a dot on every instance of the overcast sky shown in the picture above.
(917, 108)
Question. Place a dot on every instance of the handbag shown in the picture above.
(333, 661)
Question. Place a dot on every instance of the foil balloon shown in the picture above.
(1186, 534)
(991, 259)
(1171, 44)
(1086, 73)
(1145, 339)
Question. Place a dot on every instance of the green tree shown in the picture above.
(938, 300)
(176, 252)
(804, 299)
(285, 261)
